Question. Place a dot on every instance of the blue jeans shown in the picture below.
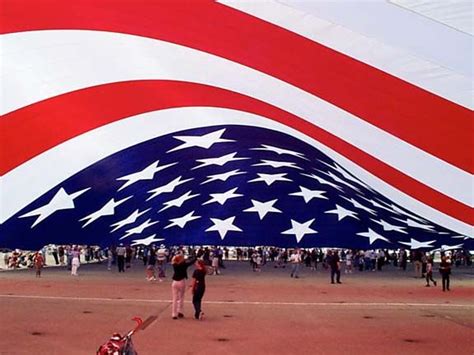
(295, 268)
(197, 298)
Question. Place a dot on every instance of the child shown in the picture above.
(39, 263)
(198, 288)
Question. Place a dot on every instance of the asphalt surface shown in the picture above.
(388, 312)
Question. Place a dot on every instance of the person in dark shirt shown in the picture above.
(335, 265)
(445, 270)
(198, 288)
(178, 286)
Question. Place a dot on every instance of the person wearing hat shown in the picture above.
(178, 286)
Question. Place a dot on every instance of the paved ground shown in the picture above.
(246, 313)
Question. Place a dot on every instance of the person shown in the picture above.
(429, 271)
(61, 255)
(295, 261)
(110, 257)
(75, 263)
(349, 262)
(121, 251)
(215, 262)
(150, 268)
(161, 260)
(403, 259)
(54, 252)
(178, 286)
(417, 262)
(39, 263)
(198, 288)
(335, 265)
(128, 256)
(445, 270)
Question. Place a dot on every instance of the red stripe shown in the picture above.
(120, 100)
(425, 120)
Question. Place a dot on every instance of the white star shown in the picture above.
(169, 187)
(390, 227)
(139, 229)
(280, 151)
(338, 179)
(308, 194)
(415, 224)
(223, 176)
(344, 173)
(181, 221)
(450, 247)
(107, 210)
(147, 241)
(223, 226)
(415, 244)
(178, 202)
(205, 141)
(323, 181)
(270, 178)
(277, 164)
(378, 205)
(262, 208)
(60, 201)
(129, 220)
(300, 229)
(221, 161)
(342, 213)
(406, 213)
(146, 174)
(465, 237)
(359, 205)
(221, 198)
(373, 236)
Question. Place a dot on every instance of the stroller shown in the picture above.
(123, 345)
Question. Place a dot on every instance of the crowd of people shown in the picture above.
(156, 258)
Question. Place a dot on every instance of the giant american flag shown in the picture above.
(235, 123)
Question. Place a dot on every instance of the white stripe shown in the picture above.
(18, 191)
(42, 64)
(402, 43)
(457, 14)
(249, 303)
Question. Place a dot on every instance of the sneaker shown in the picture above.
(180, 315)
(427, 285)
(175, 317)
(435, 283)
(201, 316)
(339, 282)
